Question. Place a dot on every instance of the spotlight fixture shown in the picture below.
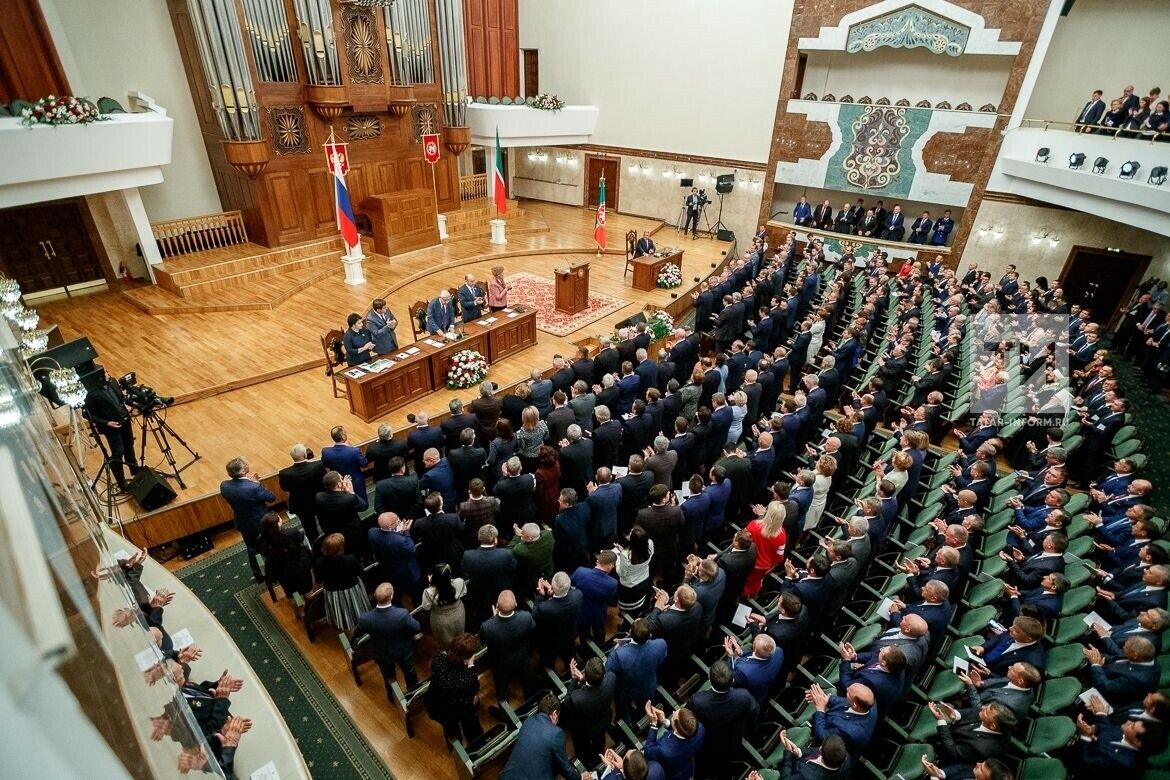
(1076, 160)
(1129, 169)
(1042, 154)
(1100, 164)
(1157, 176)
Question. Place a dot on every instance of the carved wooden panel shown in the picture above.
(424, 119)
(321, 192)
(287, 130)
(282, 191)
(363, 127)
(364, 42)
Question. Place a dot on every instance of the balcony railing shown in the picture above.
(1107, 132)
(473, 187)
(197, 234)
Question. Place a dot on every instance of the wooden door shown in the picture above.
(1101, 280)
(594, 168)
(47, 247)
(531, 72)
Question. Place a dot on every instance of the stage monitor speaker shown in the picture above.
(150, 490)
(725, 235)
(725, 183)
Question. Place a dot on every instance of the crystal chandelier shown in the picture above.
(35, 341)
(26, 319)
(9, 290)
(9, 411)
(68, 386)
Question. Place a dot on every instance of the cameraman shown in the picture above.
(106, 408)
(694, 205)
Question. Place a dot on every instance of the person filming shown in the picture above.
(107, 410)
(694, 205)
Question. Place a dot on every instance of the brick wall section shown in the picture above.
(971, 155)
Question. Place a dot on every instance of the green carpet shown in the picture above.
(1151, 415)
(329, 741)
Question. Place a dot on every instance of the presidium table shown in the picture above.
(394, 380)
(646, 268)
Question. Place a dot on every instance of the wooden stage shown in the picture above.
(252, 383)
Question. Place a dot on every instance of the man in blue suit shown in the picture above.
(599, 590)
(935, 608)
(758, 671)
(1023, 641)
(801, 212)
(382, 323)
(439, 478)
(1118, 750)
(895, 226)
(391, 630)
(1150, 593)
(726, 713)
(1124, 681)
(636, 663)
(605, 497)
(1149, 624)
(719, 492)
(346, 460)
(249, 500)
(628, 387)
(1092, 112)
(470, 299)
(886, 677)
(540, 746)
(852, 717)
(394, 551)
(440, 314)
(673, 749)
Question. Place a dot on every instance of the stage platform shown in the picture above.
(252, 383)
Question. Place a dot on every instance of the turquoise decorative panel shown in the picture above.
(909, 28)
(874, 158)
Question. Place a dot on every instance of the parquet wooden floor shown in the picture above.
(213, 362)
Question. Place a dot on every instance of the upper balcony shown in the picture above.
(521, 125)
(1091, 188)
(44, 162)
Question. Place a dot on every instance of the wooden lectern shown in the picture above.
(402, 221)
(573, 288)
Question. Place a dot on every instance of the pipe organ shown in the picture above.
(272, 78)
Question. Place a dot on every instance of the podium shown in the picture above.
(402, 221)
(572, 288)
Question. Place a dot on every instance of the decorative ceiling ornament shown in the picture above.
(944, 104)
(922, 104)
(828, 98)
(902, 102)
(363, 127)
(289, 134)
(846, 99)
(883, 101)
(423, 121)
(363, 46)
(963, 107)
(909, 28)
(878, 133)
(988, 108)
(810, 96)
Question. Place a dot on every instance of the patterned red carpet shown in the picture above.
(534, 292)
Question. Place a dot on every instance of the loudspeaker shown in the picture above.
(724, 235)
(150, 490)
(632, 321)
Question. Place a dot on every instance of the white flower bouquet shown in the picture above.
(547, 102)
(670, 276)
(467, 368)
(61, 110)
(660, 324)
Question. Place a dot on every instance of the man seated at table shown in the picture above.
(645, 245)
(470, 299)
(440, 314)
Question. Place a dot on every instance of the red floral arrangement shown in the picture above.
(61, 110)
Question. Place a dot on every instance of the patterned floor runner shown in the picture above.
(535, 292)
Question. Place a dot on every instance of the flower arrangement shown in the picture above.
(547, 102)
(61, 110)
(467, 368)
(660, 324)
(670, 276)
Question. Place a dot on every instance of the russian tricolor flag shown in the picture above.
(345, 221)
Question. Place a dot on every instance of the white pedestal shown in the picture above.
(498, 236)
(352, 262)
(443, 227)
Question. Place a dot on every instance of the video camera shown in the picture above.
(142, 398)
(703, 199)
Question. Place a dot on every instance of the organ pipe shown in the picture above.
(225, 68)
(271, 47)
(315, 23)
(454, 64)
(408, 26)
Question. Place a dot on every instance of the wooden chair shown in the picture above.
(312, 609)
(358, 653)
(333, 347)
(418, 318)
(269, 582)
(409, 702)
(631, 247)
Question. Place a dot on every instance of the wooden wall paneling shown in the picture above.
(188, 48)
(324, 209)
(29, 66)
(282, 195)
(476, 55)
(510, 47)
(493, 47)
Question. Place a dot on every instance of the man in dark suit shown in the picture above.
(508, 636)
(886, 678)
(895, 226)
(540, 746)
(645, 245)
(397, 493)
(676, 620)
(559, 419)
(635, 663)
(694, 206)
(556, 610)
(439, 536)
(1091, 114)
(106, 408)
(802, 212)
(301, 481)
(1016, 690)
(455, 423)
(391, 630)
(823, 216)
(586, 711)
(466, 462)
(517, 493)
(339, 511)
(576, 460)
(440, 314)
(599, 589)
(424, 437)
(570, 531)
(852, 717)
(471, 299)
(346, 459)
(1023, 641)
(604, 500)
(439, 478)
(583, 366)
(383, 449)
(395, 551)
(489, 571)
(673, 748)
(1109, 750)
(663, 519)
(607, 437)
(1026, 572)
(831, 761)
(920, 229)
(975, 735)
(249, 500)
(1122, 682)
(758, 672)
(726, 713)
(608, 361)
(629, 388)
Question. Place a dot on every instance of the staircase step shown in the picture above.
(217, 264)
(265, 268)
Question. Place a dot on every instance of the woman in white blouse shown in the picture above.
(825, 469)
(633, 570)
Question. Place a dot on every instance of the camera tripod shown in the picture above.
(150, 421)
(714, 230)
(103, 484)
(680, 224)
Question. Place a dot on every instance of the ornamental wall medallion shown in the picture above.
(363, 127)
(875, 156)
(909, 28)
(423, 120)
(289, 134)
(363, 46)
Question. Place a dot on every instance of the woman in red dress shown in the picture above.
(548, 484)
(768, 534)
